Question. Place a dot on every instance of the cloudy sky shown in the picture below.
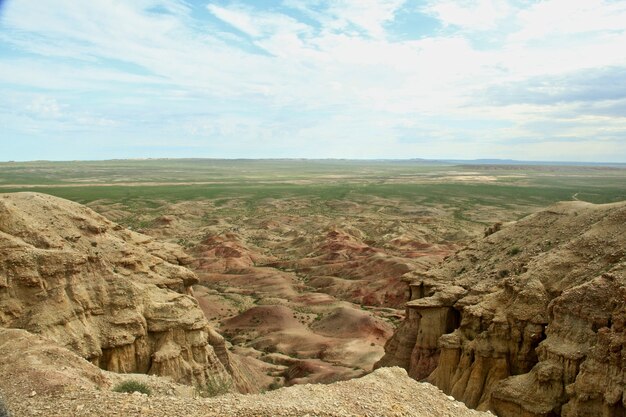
(521, 79)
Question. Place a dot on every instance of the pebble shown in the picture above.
(387, 392)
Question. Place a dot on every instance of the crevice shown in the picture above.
(453, 320)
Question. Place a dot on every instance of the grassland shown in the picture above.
(464, 189)
(177, 180)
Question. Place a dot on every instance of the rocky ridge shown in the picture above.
(530, 320)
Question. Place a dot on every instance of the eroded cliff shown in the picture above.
(528, 321)
(117, 298)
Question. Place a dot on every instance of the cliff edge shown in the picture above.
(527, 321)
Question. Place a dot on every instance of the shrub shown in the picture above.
(215, 385)
(514, 250)
(132, 386)
(275, 384)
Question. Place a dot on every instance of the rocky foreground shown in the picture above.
(386, 392)
(40, 378)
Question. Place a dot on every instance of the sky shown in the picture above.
(513, 79)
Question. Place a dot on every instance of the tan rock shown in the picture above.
(525, 321)
(117, 298)
(34, 364)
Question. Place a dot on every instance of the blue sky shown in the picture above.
(521, 79)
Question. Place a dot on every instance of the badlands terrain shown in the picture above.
(249, 276)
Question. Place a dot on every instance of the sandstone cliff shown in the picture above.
(528, 321)
(117, 298)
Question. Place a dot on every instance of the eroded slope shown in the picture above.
(528, 320)
(117, 298)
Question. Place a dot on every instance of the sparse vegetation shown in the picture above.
(387, 205)
(280, 209)
(514, 250)
(185, 243)
(215, 385)
(130, 386)
(275, 384)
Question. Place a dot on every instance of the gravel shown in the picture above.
(386, 392)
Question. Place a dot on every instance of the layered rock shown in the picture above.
(273, 315)
(581, 363)
(343, 265)
(527, 321)
(117, 298)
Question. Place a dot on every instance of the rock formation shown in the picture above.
(116, 298)
(527, 321)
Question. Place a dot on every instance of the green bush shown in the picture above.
(132, 386)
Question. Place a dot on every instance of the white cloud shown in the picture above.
(257, 24)
(236, 18)
(369, 15)
(570, 17)
(470, 14)
(335, 81)
(46, 107)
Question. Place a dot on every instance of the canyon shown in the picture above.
(85, 302)
(263, 293)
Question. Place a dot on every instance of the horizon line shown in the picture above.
(486, 161)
